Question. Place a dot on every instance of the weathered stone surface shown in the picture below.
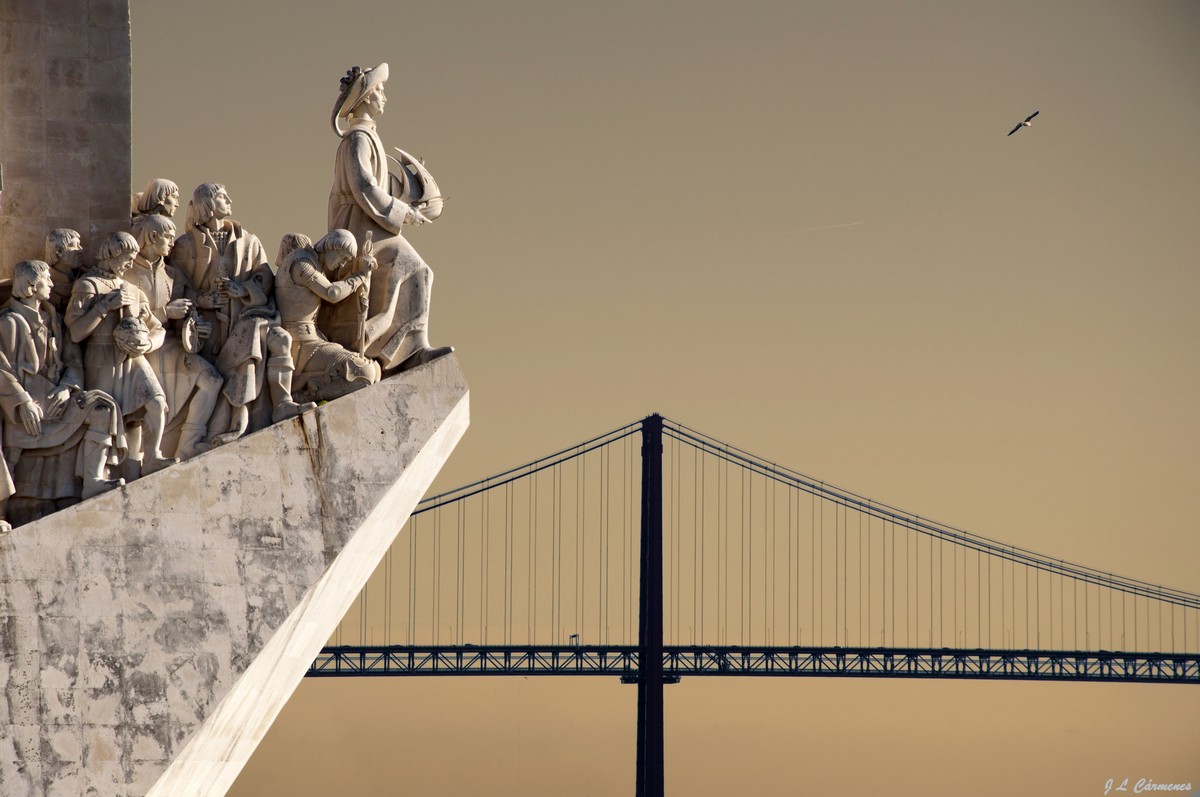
(159, 628)
(63, 63)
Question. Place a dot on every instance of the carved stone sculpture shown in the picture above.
(228, 267)
(192, 384)
(290, 242)
(63, 252)
(324, 369)
(114, 318)
(367, 198)
(160, 197)
(48, 416)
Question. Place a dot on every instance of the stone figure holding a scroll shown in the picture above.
(366, 197)
(228, 267)
(114, 318)
(59, 439)
(324, 369)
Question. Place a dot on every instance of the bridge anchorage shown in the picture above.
(732, 566)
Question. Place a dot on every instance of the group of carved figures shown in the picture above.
(171, 344)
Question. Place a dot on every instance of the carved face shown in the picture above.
(334, 261)
(119, 264)
(159, 245)
(42, 287)
(69, 255)
(170, 203)
(222, 205)
(375, 100)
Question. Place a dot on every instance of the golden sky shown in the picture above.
(798, 227)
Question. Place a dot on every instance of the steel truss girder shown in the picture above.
(622, 661)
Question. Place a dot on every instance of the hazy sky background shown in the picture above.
(798, 227)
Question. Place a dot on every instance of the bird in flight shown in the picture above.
(1027, 123)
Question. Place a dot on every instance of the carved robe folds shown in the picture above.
(129, 380)
(178, 371)
(245, 330)
(363, 199)
(37, 359)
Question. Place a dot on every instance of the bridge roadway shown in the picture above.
(622, 661)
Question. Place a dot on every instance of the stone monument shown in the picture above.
(149, 636)
(155, 615)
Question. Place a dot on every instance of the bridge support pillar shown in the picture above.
(650, 751)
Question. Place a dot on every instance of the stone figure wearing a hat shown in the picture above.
(367, 198)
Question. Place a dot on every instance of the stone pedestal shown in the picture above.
(64, 122)
(160, 628)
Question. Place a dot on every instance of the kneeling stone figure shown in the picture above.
(324, 370)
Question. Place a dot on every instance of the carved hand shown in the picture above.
(113, 300)
(31, 418)
(179, 308)
(416, 217)
(57, 403)
(233, 288)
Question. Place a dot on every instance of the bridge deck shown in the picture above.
(622, 661)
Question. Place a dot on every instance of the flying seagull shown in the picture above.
(1027, 123)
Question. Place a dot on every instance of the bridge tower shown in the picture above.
(650, 752)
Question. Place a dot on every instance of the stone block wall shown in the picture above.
(64, 122)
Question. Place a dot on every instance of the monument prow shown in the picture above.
(149, 636)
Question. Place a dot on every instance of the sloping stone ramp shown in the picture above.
(150, 636)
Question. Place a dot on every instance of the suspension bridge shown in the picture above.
(655, 552)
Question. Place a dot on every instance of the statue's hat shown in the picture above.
(357, 84)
